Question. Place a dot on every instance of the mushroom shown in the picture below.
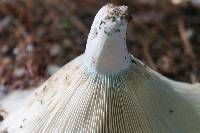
(107, 90)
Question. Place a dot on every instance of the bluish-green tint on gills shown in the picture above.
(137, 100)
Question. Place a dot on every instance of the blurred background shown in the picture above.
(37, 37)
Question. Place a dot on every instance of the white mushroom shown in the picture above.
(107, 90)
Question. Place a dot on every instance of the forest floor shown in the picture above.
(39, 36)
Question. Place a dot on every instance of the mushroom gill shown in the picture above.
(106, 90)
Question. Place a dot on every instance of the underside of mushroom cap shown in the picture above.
(137, 100)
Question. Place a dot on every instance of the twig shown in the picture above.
(145, 44)
(73, 18)
(5, 22)
(187, 46)
(147, 55)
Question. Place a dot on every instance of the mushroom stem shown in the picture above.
(106, 50)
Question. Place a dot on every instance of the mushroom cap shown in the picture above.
(136, 99)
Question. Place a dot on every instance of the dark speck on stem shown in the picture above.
(1, 118)
(44, 88)
(118, 30)
(107, 33)
(121, 17)
(113, 19)
(102, 22)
